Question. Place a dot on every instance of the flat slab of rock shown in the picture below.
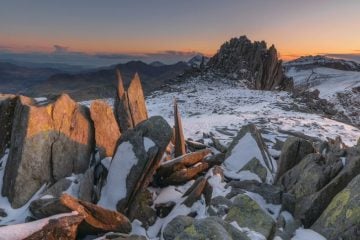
(96, 218)
(62, 226)
(248, 153)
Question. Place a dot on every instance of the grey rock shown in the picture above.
(312, 206)
(247, 213)
(293, 151)
(42, 208)
(341, 219)
(176, 226)
(309, 176)
(86, 185)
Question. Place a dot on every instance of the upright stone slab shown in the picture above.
(136, 159)
(48, 142)
(7, 108)
(74, 142)
(28, 166)
(121, 106)
(180, 148)
(137, 101)
(107, 131)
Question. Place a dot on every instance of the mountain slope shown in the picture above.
(16, 79)
(339, 87)
(101, 83)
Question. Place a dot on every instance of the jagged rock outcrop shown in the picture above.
(7, 107)
(136, 159)
(241, 59)
(107, 131)
(48, 142)
(129, 106)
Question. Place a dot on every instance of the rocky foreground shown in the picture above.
(69, 171)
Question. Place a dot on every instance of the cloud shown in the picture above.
(60, 49)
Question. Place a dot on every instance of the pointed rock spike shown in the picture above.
(120, 87)
(137, 103)
(180, 148)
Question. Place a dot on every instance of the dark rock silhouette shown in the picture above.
(240, 59)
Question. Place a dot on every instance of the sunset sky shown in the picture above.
(163, 27)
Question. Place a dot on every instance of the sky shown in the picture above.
(170, 30)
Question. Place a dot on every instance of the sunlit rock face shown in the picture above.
(242, 59)
(48, 142)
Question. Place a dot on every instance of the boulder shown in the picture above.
(47, 207)
(7, 108)
(219, 206)
(248, 152)
(309, 176)
(176, 226)
(312, 206)
(341, 219)
(271, 193)
(48, 142)
(28, 165)
(137, 157)
(107, 131)
(74, 139)
(96, 219)
(143, 211)
(212, 228)
(247, 213)
(292, 152)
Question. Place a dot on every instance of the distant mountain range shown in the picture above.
(101, 83)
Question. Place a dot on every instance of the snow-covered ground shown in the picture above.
(223, 108)
(342, 88)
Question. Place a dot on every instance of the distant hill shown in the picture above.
(101, 83)
(17, 79)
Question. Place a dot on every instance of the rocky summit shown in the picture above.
(242, 59)
(212, 156)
